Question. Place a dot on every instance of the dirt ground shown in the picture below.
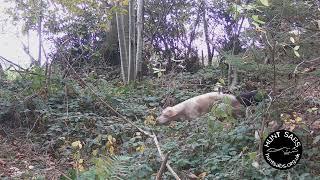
(20, 158)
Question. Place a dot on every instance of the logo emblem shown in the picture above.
(282, 149)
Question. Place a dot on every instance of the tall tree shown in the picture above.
(139, 37)
(131, 57)
(122, 46)
(206, 33)
(193, 31)
(39, 33)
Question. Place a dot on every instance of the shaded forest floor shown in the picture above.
(36, 135)
(20, 158)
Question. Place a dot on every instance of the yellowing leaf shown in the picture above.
(150, 120)
(95, 152)
(76, 144)
(109, 144)
(110, 138)
(111, 150)
(222, 81)
(80, 161)
(294, 114)
(80, 167)
(202, 175)
(265, 2)
(125, 2)
(298, 119)
(140, 149)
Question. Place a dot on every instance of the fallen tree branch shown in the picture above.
(10, 62)
(162, 167)
(162, 157)
(296, 68)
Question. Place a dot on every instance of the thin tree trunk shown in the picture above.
(125, 35)
(202, 58)
(122, 47)
(134, 42)
(139, 38)
(193, 31)
(40, 34)
(206, 34)
(131, 50)
(26, 49)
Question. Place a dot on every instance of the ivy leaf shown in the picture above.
(265, 2)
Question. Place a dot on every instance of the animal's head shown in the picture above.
(168, 114)
(252, 98)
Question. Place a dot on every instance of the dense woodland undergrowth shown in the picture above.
(69, 131)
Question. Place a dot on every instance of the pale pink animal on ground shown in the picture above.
(197, 106)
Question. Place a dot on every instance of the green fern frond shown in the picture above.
(109, 167)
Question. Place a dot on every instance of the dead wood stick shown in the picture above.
(296, 68)
(162, 167)
(10, 62)
(175, 175)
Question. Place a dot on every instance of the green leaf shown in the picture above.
(252, 155)
(256, 19)
(265, 2)
(256, 24)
